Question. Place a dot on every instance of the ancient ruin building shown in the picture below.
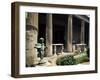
(64, 30)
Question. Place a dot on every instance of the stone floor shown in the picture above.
(48, 61)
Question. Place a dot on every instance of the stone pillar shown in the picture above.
(82, 31)
(69, 34)
(49, 35)
(65, 38)
(31, 38)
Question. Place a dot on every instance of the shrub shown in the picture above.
(66, 60)
(73, 59)
(88, 52)
(80, 58)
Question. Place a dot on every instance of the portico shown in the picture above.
(67, 30)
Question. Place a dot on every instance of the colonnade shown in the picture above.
(32, 35)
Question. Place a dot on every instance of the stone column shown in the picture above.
(65, 38)
(69, 34)
(49, 35)
(82, 31)
(31, 38)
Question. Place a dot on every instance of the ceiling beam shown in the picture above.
(82, 18)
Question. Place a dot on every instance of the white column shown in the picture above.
(69, 34)
(49, 35)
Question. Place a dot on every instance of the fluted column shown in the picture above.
(49, 35)
(31, 38)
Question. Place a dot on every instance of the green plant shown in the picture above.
(66, 60)
(80, 58)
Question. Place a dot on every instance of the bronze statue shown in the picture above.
(40, 48)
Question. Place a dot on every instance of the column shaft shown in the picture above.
(69, 34)
(31, 38)
(49, 34)
(82, 31)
